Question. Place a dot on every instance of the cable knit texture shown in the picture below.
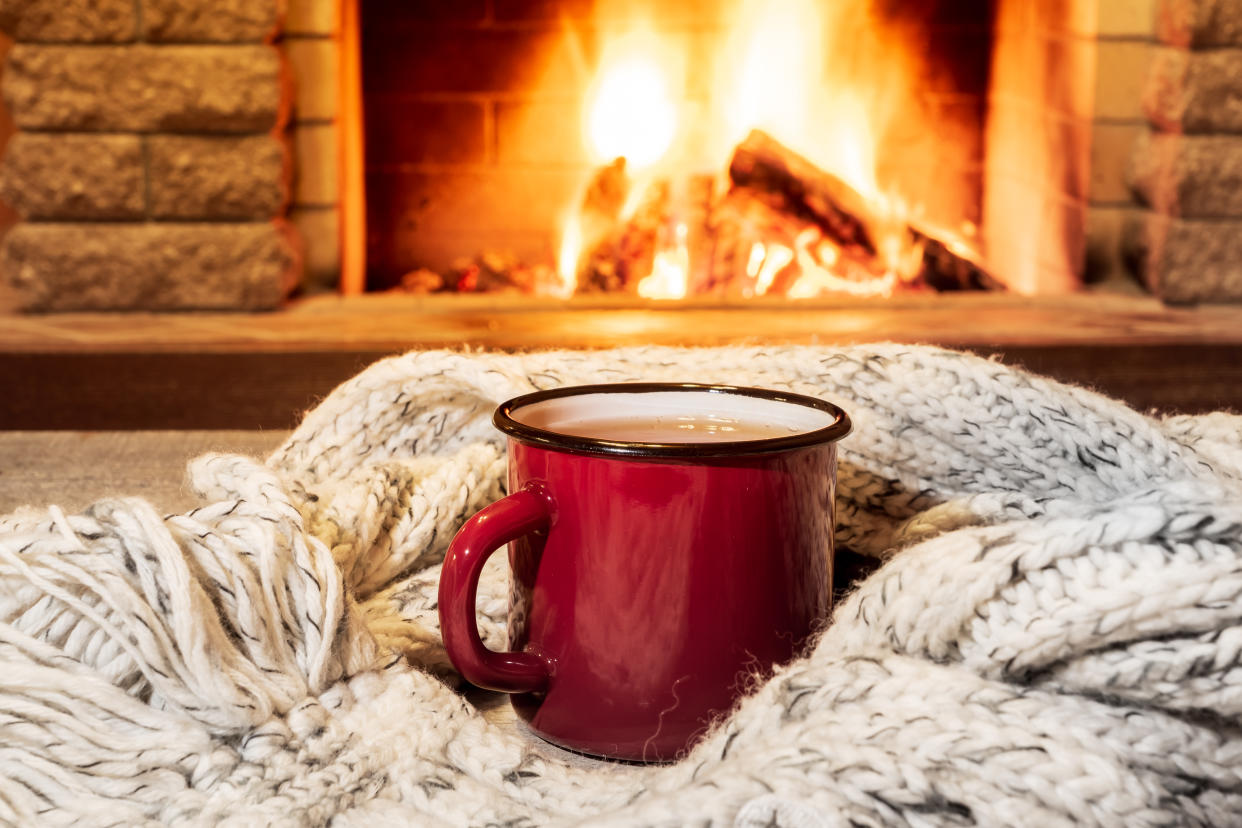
(1053, 637)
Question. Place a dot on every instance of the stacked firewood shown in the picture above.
(777, 204)
(779, 217)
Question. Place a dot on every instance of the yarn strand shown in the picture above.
(1052, 635)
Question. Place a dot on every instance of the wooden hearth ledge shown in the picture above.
(213, 370)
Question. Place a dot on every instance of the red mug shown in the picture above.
(668, 542)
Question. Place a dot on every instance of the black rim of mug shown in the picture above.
(503, 420)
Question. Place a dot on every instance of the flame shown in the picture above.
(670, 270)
(894, 248)
(821, 78)
(755, 261)
(631, 113)
(780, 47)
(780, 84)
(775, 259)
(567, 258)
(827, 253)
(816, 278)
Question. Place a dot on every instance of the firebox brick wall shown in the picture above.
(1187, 168)
(149, 163)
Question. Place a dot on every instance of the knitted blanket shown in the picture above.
(1054, 636)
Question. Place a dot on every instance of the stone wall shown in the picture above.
(1124, 41)
(151, 165)
(311, 43)
(1186, 169)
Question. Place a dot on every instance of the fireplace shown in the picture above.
(611, 127)
(215, 154)
(1007, 125)
(897, 100)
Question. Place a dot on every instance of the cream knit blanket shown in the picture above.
(1055, 636)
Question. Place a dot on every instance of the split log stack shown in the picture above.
(775, 198)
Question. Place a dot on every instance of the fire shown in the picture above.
(817, 277)
(670, 270)
(567, 259)
(779, 85)
(631, 113)
(771, 75)
(779, 44)
(758, 251)
(774, 259)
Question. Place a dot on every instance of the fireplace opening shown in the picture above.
(796, 149)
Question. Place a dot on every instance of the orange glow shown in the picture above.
(631, 113)
(775, 260)
(827, 253)
(780, 48)
(1023, 229)
(567, 259)
(350, 173)
(895, 248)
(783, 84)
(670, 271)
(817, 279)
(821, 79)
(757, 254)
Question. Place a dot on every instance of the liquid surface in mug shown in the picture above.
(674, 428)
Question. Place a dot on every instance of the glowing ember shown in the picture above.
(774, 261)
(816, 278)
(631, 113)
(567, 260)
(757, 254)
(670, 271)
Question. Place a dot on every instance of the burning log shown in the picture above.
(604, 199)
(692, 205)
(611, 243)
(947, 270)
(620, 247)
(763, 163)
(755, 239)
(785, 227)
(621, 255)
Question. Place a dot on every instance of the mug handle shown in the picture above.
(507, 519)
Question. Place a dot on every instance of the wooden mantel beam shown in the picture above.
(109, 371)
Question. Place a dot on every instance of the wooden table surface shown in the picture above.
(394, 322)
(72, 469)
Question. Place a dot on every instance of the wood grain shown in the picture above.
(186, 371)
(73, 469)
(391, 322)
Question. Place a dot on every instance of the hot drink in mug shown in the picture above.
(667, 542)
